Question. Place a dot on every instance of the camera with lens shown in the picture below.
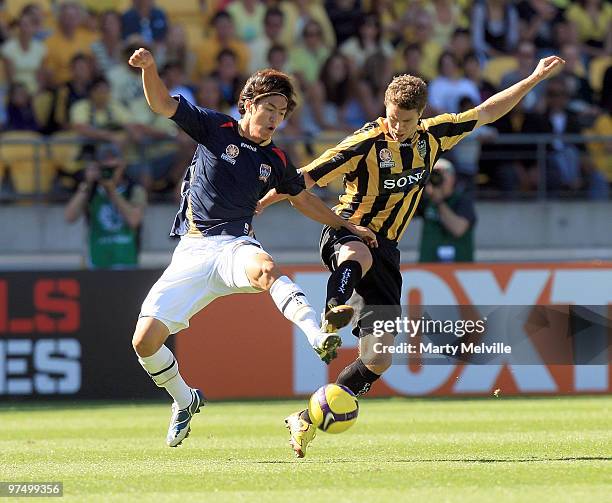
(107, 171)
(436, 178)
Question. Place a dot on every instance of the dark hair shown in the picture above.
(271, 12)
(226, 52)
(266, 82)
(337, 93)
(220, 15)
(446, 54)
(96, 82)
(407, 92)
(369, 19)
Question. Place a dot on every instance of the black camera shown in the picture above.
(107, 171)
(436, 178)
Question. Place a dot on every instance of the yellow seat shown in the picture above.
(64, 149)
(19, 150)
(597, 70)
(496, 68)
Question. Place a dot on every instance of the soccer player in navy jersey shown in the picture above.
(234, 165)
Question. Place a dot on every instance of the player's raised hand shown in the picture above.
(366, 234)
(548, 67)
(141, 58)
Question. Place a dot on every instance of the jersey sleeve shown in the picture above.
(196, 121)
(339, 160)
(450, 129)
(291, 181)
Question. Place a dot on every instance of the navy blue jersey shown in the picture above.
(227, 176)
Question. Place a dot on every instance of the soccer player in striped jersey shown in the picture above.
(386, 165)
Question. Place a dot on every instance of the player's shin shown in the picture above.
(342, 282)
(163, 369)
(292, 302)
(357, 377)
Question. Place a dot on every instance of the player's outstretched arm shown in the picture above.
(273, 197)
(501, 103)
(155, 90)
(311, 206)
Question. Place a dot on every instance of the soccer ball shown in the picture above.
(333, 408)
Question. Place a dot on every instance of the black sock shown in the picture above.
(357, 377)
(342, 282)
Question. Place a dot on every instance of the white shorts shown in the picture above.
(202, 269)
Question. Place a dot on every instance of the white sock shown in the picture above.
(163, 369)
(292, 302)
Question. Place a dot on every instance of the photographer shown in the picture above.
(114, 208)
(448, 219)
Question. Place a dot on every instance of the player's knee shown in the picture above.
(379, 365)
(263, 273)
(145, 341)
(357, 252)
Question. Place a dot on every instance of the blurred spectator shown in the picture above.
(512, 167)
(411, 61)
(125, 80)
(230, 79)
(223, 37)
(208, 95)
(176, 81)
(421, 29)
(38, 20)
(460, 44)
(248, 16)
(333, 102)
(23, 54)
(449, 218)
(273, 26)
(593, 20)
(107, 49)
(526, 56)
(278, 58)
(577, 85)
(473, 72)
(146, 20)
(176, 50)
(113, 207)
(563, 158)
(69, 40)
(367, 42)
(447, 16)
(538, 19)
(601, 152)
(99, 118)
(446, 89)
(298, 14)
(19, 111)
(52, 104)
(309, 55)
(374, 77)
(495, 27)
(466, 154)
(344, 16)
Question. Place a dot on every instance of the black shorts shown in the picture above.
(377, 296)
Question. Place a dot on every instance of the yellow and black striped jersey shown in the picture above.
(384, 179)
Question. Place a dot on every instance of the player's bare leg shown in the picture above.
(354, 261)
(290, 300)
(160, 364)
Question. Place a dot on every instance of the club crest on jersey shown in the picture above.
(422, 148)
(264, 172)
(231, 152)
(386, 158)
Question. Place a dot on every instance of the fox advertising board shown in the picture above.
(67, 334)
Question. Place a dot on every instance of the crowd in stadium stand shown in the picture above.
(64, 74)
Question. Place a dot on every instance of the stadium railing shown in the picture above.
(42, 159)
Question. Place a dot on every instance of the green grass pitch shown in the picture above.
(496, 449)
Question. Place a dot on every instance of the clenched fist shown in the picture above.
(548, 67)
(141, 59)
